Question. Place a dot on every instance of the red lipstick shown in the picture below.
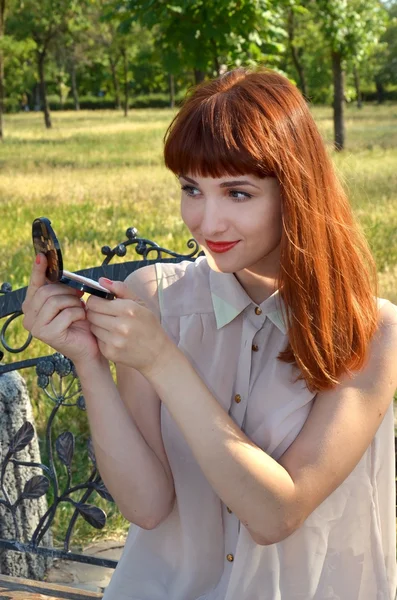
(221, 246)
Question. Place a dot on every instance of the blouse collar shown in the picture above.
(229, 299)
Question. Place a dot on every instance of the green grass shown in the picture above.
(97, 173)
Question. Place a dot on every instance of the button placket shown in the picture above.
(238, 411)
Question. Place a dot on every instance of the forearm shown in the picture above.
(128, 466)
(257, 489)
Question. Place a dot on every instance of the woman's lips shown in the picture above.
(221, 246)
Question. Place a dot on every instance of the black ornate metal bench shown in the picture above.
(26, 482)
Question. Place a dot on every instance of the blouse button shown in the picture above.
(230, 557)
(255, 348)
(228, 510)
(237, 398)
(258, 310)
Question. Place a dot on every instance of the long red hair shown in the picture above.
(257, 121)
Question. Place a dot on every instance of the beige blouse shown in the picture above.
(345, 550)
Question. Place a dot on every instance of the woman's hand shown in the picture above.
(126, 330)
(55, 314)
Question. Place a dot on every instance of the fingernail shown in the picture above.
(38, 259)
(108, 281)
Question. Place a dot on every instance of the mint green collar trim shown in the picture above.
(226, 312)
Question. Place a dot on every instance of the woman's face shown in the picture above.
(243, 208)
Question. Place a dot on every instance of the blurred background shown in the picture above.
(88, 88)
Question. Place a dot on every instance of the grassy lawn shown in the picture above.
(97, 173)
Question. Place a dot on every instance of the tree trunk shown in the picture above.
(43, 92)
(296, 57)
(60, 94)
(116, 86)
(37, 101)
(198, 76)
(125, 65)
(217, 66)
(74, 85)
(172, 90)
(339, 125)
(380, 91)
(357, 86)
(2, 17)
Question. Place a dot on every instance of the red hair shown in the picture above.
(258, 122)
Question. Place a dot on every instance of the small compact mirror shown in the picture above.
(46, 242)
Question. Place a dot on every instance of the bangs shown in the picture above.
(218, 136)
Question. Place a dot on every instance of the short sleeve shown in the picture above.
(143, 282)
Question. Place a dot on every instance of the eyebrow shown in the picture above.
(225, 184)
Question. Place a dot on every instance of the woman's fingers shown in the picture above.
(37, 277)
(34, 305)
(58, 327)
(101, 320)
(105, 336)
(46, 304)
(104, 307)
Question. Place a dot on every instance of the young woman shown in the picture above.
(250, 437)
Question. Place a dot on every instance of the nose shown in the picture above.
(214, 220)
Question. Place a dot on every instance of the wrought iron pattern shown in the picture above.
(144, 247)
(65, 393)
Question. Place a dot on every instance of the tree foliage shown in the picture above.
(205, 34)
(114, 49)
(352, 28)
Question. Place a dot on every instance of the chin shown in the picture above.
(221, 265)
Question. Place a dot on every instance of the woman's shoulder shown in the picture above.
(387, 313)
(169, 272)
(384, 341)
(173, 288)
(184, 288)
(383, 346)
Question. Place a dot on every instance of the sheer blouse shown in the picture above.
(345, 550)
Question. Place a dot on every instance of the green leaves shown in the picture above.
(352, 27)
(176, 9)
(159, 38)
(205, 35)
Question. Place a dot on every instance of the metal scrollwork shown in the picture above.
(144, 247)
(64, 448)
(5, 288)
(3, 335)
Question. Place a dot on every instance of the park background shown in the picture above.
(88, 88)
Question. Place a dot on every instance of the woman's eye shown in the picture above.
(239, 195)
(190, 190)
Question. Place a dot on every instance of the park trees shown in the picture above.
(14, 59)
(351, 31)
(42, 22)
(381, 66)
(296, 46)
(71, 46)
(209, 35)
(105, 50)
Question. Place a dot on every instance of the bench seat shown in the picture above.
(15, 588)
